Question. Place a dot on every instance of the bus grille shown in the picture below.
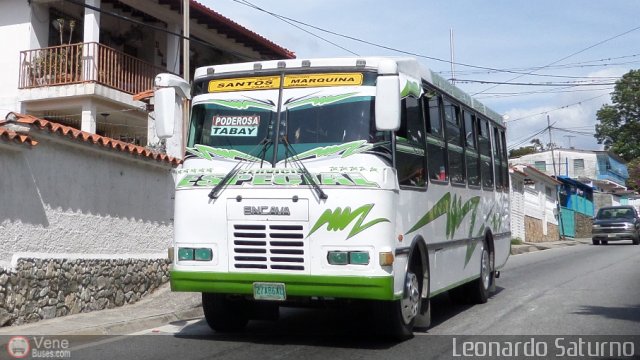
(268, 247)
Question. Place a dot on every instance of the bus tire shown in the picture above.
(224, 315)
(397, 318)
(478, 289)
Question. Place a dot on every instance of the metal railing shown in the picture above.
(85, 62)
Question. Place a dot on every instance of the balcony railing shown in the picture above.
(85, 62)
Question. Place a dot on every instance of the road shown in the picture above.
(575, 290)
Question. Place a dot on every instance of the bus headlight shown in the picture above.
(338, 257)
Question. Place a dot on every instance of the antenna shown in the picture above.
(452, 54)
(569, 139)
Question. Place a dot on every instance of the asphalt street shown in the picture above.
(578, 290)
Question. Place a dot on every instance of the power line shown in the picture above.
(159, 28)
(564, 58)
(288, 21)
(556, 109)
(253, 6)
(573, 83)
(568, 89)
(580, 64)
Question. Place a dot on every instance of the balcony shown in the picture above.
(85, 63)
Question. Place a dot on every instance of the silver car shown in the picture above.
(615, 223)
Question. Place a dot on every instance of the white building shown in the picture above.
(79, 62)
(534, 204)
(601, 170)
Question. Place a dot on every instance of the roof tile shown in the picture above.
(73, 133)
(12, 136)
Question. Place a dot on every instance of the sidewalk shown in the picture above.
(530, 247)
(164, 306)
(161, 307)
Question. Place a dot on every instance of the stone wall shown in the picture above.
(39, 289)
(534, 233)
(583, 225)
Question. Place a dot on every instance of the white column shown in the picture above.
(89, 114)
(91, 35)
(91, 22)
(173, 49)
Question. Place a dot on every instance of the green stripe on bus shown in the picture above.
(347, 287)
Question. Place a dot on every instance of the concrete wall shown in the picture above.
(66, 198)
(82, 228)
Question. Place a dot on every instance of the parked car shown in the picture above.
(615, 223)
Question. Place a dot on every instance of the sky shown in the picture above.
(564, 56)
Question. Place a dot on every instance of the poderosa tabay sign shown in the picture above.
(272, 177)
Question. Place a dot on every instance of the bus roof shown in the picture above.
(406, 65)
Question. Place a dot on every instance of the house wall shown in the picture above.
(535, 232)
(82, 228)
(564, 162)
(583, 225)
(15, 35)
(517, 208)
(59, 198)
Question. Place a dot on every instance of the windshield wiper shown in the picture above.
(303, 169)
(215, 192)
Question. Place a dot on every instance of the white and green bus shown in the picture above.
(349, 179)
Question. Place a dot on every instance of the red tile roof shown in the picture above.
(239, 32)
(94, 139)
(12, 136)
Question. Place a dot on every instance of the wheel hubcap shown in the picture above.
(411, 298)
(486, 269)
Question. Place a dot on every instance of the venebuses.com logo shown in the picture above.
(18, 347)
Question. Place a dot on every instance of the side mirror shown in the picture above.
(388, 103)
(168, 95)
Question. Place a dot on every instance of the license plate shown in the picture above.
(612, 235)
(269, 291)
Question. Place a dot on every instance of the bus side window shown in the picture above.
(486, 165)
(505, 159)
(436, 147)
(454, 143)
(471, 151)
(497, 159)
(410, 153)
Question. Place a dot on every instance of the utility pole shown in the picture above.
(185, 40)
(186, 68)
(555, 174)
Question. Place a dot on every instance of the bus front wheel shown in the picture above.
(397, 319)
(223, 314)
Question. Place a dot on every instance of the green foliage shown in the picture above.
(526, 150)
(620, 121)
(633, 182)
(516, 241)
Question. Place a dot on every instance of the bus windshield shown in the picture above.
(305, 122)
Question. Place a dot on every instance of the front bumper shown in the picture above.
(343, 287)
(613, 236)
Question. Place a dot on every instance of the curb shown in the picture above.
(137, 324)
(533, 247)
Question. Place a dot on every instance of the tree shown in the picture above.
(525, 150)
(537, 145)
(633, 182)
(619, 123)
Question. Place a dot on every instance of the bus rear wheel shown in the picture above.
(223, 314)
(478, 290)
